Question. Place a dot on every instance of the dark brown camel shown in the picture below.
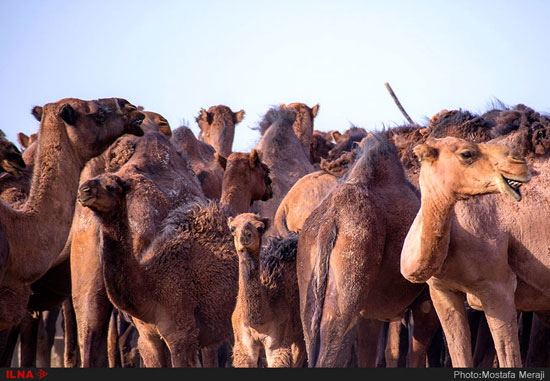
(267, 313)
(348, 252)
(218, 127)
(191, 263)
(303, 125)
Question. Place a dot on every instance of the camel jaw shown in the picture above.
(511, 185)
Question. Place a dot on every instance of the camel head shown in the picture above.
(90, 126)
(156, 122)
(463, 169)
(217, 127)
(11, 160)
(103, 194)
(247, 168)
(345, 142)
(303, 109)
(247, 230)
(28, 145)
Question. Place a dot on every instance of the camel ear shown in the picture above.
(238, 116)
(229, 220)
(68, 114)
(23, 140)
(283, 106)
(203, 116)
(254, 158)
(37, 112)
(140, 108)
(222, 161)
(425, 153)
(315, 110)
(267, 223)
(424, 131)
(335, 135)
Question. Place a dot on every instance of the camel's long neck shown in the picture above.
(37, 233)
(252, 294)
(427, 242)
(236, 196)
(122, 272)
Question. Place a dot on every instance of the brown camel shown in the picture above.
(321, 144)
(267, 313)
(14, 173)
(283, 153)
(218, 127)
(182, 289)
(204, 160)
(303, 125)
(143, 159)
(72, 131)
(345, 142)
(348, 253)
(499, 261)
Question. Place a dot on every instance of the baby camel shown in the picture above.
(267, 311)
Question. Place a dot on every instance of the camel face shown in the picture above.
(247, 230)
(247, 168)
(91, 126)
(466, 169)
(218, 127)
(11, 160)
(102, 194)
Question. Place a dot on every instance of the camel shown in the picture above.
(345, 142)
(71, 132)
(204, 160)
(14, 173)
(303, 125)
(267, 314)
(283, 153)
(348, 253)
(218, 127)
(181, 289)
(499, 261)
(321, 144)
(145, 160)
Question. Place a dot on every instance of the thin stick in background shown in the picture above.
(398, 103)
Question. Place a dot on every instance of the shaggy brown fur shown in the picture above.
(342, 270)
(267, 311)
(283, 153)
(346, 142)
(15, 177)
(191, 264)
(321, 144)
(218, 127)
(202, 157)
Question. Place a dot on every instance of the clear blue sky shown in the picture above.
(174, 57)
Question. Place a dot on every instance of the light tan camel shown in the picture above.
(182, 289)
(489, 247)
(218, 127)
(348, 253)
(267, 313)
(283, 153)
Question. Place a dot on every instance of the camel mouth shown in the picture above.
(86, 196)
(511, 186)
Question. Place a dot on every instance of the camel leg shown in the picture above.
(500, 311)
(151, 349)
(71, 355)
(278, 356)
(298, 350)
(451, 311)
(210, 356)
(8, 342)
(46, 338)
(28, 340)
(246, 351)
(183, 343)
(424, 327)
(367, 341)
(393, 341)
(484, 349)
(113, 353)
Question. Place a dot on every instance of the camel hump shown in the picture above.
(276, 255)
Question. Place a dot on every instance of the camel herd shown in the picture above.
(417, 246)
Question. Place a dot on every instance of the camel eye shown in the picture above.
(466, 154)
(260, 229)
(110, 188)
(232, 228)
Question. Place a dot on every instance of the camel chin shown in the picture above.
(510, 186)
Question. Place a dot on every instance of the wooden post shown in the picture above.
(398, 103)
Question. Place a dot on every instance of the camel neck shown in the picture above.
(237, 197)
(252, 294)
(124, 277)
(45, 219)
(427, 242)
